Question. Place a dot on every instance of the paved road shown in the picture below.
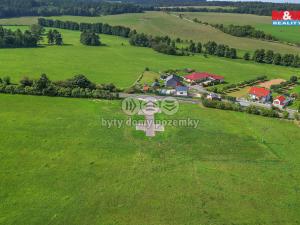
(242, 102)
(199, 89)
(246, 103)
(143, 96)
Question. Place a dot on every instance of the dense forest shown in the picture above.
(15, 8)
(165, 2)
(258, 8)
(17, 39)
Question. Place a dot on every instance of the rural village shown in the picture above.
(274, 94)
(149, 112)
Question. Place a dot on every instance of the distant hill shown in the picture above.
(164, 2)
(16, 8)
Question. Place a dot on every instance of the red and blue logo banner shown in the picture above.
(286, 18)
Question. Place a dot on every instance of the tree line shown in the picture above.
(228, 105)
(17, 39)
(99, 28)
(280, 88)
(166, 45)
(243, 31)
(16, 8)
(212, 48)
(270, 57)
(257, 8)
(241, 84)
(162, 44)
(77, 87)
(159, 44)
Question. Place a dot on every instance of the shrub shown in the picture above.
(6, 80)
(285, 115)
(69, 88)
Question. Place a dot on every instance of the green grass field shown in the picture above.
(159, 23)
(59, 165)
(287, 34)
(120, 64)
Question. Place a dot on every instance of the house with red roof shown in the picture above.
(281, 101)
(198, 77)
(260, 94)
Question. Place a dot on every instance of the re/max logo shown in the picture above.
(286, 18)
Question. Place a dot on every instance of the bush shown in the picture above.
(236, 107)
(79, 87)
(293, 79)
(25, 81)
(285, 115)
(6, 80)
(296, 116)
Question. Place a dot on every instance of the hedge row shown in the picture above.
(236, 107)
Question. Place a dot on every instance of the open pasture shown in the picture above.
(60, 165)
(160, 23)
(120, 63)
(287, 34)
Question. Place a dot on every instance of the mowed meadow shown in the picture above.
(60, 165)
(119, 63)
(161, 23)
(284, 33)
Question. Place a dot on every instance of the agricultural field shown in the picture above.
(160, 23)
(60, 165)
(120, 63)
(264, 23)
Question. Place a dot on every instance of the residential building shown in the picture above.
(260, 94)
(281, 101)
(181, 91)
(213, 96)
(202, 77)
(173, 81)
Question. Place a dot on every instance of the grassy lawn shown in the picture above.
(159, 23)
(242, 92)
(288, 34)
(59, 165)
(296, 103)
(149, 77)
(120, 64)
